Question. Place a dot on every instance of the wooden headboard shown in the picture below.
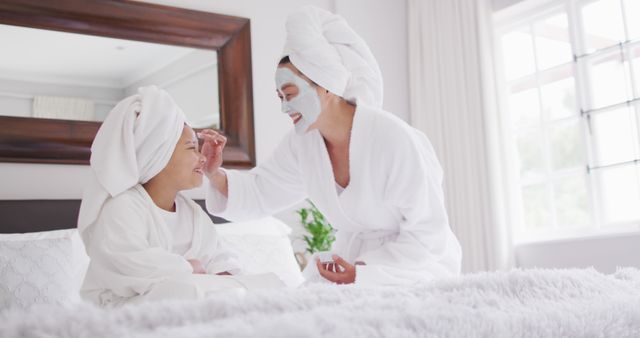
(20, 216)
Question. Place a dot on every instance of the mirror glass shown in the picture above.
(58, 75)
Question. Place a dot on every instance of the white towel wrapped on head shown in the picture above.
(134, 143)
(325, 49)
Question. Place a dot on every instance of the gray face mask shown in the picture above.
(307, 102)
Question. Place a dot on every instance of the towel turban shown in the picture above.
(134, 143)
(325, 49)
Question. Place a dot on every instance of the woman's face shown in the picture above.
(185, 168)
(289, 90)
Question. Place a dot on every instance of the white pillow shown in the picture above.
(38, 268)
(262, 246)
(80, 260)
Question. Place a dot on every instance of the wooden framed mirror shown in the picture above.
(53, 140)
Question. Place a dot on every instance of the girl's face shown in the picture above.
(185, 168)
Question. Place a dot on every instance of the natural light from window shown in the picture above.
(569, 74)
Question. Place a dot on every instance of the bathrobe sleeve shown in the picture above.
(222, 259)
(267, 189)
(215, 254)
(425, 246)
(127, 260)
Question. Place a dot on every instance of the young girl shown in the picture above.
(145, 239)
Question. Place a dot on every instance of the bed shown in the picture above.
(567, 303)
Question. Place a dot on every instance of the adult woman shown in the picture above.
(375, 178)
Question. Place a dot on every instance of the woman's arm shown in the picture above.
(220, 182)
(212, 147)
(274, 185)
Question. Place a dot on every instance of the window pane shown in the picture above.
(609, 80)
(632, 10)
(567, 146)
(602, 24)
(524, 106)
(620, 193)
(572, 206)
(531, 155)
(615, 137)
(518, 55)
(559, 93)
(535, 203)
(552, 42)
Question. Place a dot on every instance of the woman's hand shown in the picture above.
(197, 266)
(339, 272)
(212, 147)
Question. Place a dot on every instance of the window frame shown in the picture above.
(527, 13)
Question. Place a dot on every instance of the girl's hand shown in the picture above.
(212, 147)
(197, 266)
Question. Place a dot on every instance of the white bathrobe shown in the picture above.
(391, 216)
(132, 259)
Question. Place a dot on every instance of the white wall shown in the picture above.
(604, 253)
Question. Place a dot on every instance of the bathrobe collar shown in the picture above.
(166, 238)
(328, 201)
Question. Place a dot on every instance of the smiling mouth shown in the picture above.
(295, 117)
(199, 171)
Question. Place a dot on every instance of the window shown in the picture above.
(569, 83)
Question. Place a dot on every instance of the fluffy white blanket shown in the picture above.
(539, 303)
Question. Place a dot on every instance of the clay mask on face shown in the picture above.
(306, 102)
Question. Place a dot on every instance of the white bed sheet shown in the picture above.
(539, 303)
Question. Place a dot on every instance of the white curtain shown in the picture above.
(64, 108)
(452, 99)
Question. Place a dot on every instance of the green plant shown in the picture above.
(320, 231)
